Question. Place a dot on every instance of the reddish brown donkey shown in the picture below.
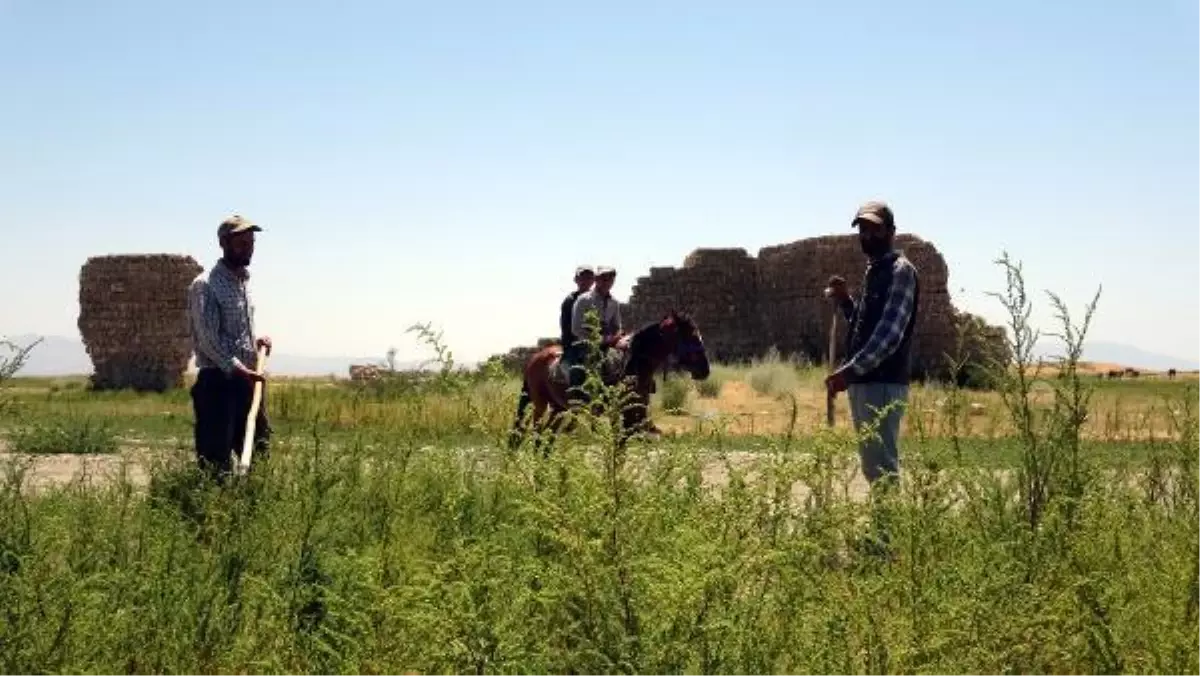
(672, 343)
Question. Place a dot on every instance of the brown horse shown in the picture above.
(672, 343)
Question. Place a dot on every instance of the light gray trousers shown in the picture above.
(879, 452)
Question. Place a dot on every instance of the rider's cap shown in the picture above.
(605, 271)
(235, 224)
(584, 268)
(876, 212)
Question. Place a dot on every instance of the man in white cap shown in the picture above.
(222, 326)
(600, 299)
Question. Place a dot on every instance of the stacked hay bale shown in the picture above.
(133, 319)
(361, 372)
(717, 287)
(747, 306)
(791, 278)
(796, 315)
(514, 360)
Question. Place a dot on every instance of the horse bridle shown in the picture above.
(684, 349)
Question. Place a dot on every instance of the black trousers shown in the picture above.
(220, 404)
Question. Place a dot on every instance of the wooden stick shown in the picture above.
(829, 397)
(252, 415)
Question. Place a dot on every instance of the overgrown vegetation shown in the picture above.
(673, 394)
(771, 374)
(361, 546)
(65, 434)
(12, 358)
(710, 388)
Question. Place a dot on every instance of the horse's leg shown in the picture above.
(532, 396)
(645, 423)
(543, 411)
(523, 402)
(635, 418)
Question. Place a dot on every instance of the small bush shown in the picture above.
(12, 359)
(674, 394)
(71, 434)
(710, 388)
(772, 375)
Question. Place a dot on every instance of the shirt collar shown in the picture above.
(885, 258)
(240, 275)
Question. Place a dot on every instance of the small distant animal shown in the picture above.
(1171, 374)
(1132, 373)
(1113, 373)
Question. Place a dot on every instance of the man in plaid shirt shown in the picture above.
(879, 344)
(222, 326)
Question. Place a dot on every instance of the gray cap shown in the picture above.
(876, 212)
(584, 268)
(604, 270)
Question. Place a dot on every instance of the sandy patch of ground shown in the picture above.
(45, 470)
(741, 410)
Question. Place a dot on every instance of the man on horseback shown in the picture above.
(575, 354)
(584, 277)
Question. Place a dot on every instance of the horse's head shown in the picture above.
(672, 342)
(685, 347)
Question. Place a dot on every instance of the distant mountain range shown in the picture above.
(59, 355)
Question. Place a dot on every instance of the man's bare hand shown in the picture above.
(249, 374)
(837, 289)
(263, 341)
(835, 383)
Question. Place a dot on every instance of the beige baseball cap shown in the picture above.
(235, 224)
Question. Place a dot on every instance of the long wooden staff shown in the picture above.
(832, 363)
(252, 415)
(829, 397)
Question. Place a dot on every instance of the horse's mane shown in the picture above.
(646, 335)
(651, 329)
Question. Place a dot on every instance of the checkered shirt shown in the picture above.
(897, 312)
(222, 319)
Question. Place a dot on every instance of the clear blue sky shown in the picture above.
(452, 161)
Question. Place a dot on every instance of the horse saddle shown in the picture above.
(612, 365)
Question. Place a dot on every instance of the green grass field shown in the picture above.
(391, 531)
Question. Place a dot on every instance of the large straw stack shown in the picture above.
(514, 360)
(717, 287)
(796, 317)
(745, 306)
(133, 319)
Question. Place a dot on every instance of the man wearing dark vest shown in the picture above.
(584, 277)
(879, 344)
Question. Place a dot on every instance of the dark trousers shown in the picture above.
(576, 359)
(220, 404)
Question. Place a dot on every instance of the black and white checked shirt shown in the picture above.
(222, 319)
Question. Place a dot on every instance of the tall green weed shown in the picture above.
(587, 552)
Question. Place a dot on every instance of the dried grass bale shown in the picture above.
(133, 319)
(718, 287)
(746, 306)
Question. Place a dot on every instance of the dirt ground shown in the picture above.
(44, 471)
(738, 410)
(741, 410)
(63, 468)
